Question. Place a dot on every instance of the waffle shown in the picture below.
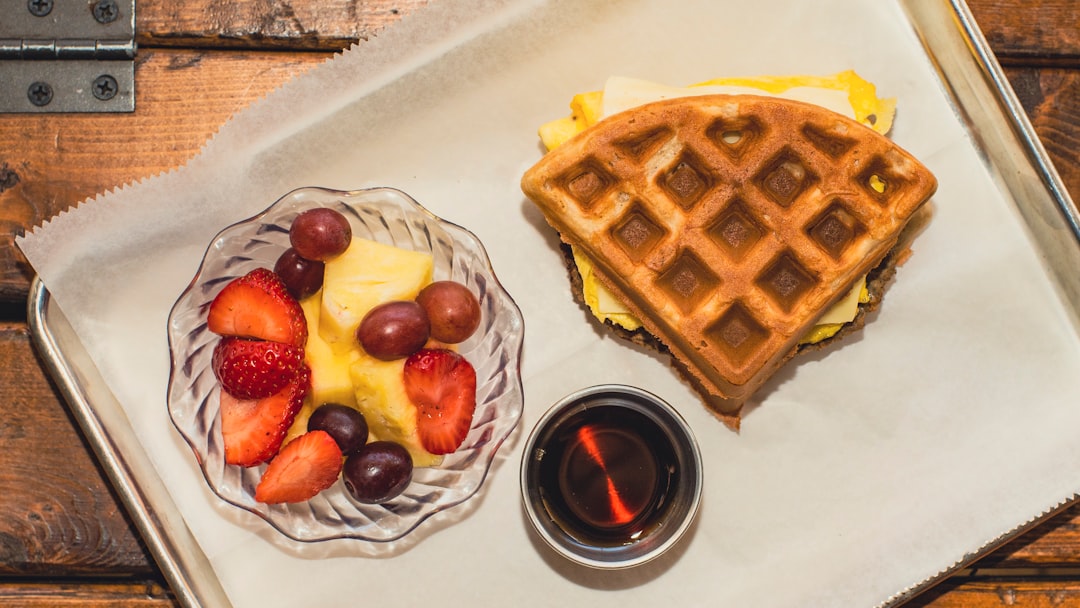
(729, 224)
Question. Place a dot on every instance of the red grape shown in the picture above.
(345, 424)
(378, 472)
(302, 277)
(452, 310)
(320, 234)
(393, 330)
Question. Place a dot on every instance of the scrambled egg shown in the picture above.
(846, 93)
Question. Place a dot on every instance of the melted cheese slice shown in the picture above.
(625, 93)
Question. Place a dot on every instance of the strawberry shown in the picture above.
(252, 429)
(253, 369)
(258, 305)
(442, 385)
(306, 466)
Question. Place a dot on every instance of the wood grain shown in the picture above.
(1051, 98)
(1000, 592)
(1031, 32)
(57, 513)
(265, 24)
(51, 162)
(82, 594)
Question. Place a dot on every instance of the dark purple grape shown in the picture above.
(320, 234)
(393, 330)
(302, 277)
(452, 310)
(378, 472)
(345, 424)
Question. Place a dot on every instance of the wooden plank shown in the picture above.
(264, 24)
(959, 593)
(1053, 544)
(85, 594)
(997, 592)
(49, 162)
(58, 516)
(1051, 98)
(1030, 31)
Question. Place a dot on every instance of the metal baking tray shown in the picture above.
(112, 438)
(982, 98)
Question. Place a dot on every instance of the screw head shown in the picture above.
(40, 93)
(39, 8)
(105, 87)
(106, 11)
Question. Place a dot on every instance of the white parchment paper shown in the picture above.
(858, 472)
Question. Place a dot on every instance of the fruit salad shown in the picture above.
(341, 362)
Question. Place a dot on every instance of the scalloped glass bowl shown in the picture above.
(387, 216)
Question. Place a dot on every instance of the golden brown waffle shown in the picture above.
(729, 224)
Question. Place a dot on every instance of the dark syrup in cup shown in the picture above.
(606, 475)
(611, 476)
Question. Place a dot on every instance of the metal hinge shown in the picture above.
(67, 55)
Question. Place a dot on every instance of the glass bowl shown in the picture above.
(387, 216)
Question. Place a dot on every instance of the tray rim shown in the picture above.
(141, 491)
(175, 549)
(1025, 141)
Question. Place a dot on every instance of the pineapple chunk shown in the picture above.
(330, 380)
(365, 275)
(585, 111)
(589, 106)
(381, 398)
(299, 425)
(556, 132)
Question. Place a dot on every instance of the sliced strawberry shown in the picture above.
(253, 369)
(306, 466)
(442, 385)
(257, 305)
(252, 429)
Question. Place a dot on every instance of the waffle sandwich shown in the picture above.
(728, 224)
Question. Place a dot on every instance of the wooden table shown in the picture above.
(64, 537)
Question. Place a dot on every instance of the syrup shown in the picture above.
(607, 474)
